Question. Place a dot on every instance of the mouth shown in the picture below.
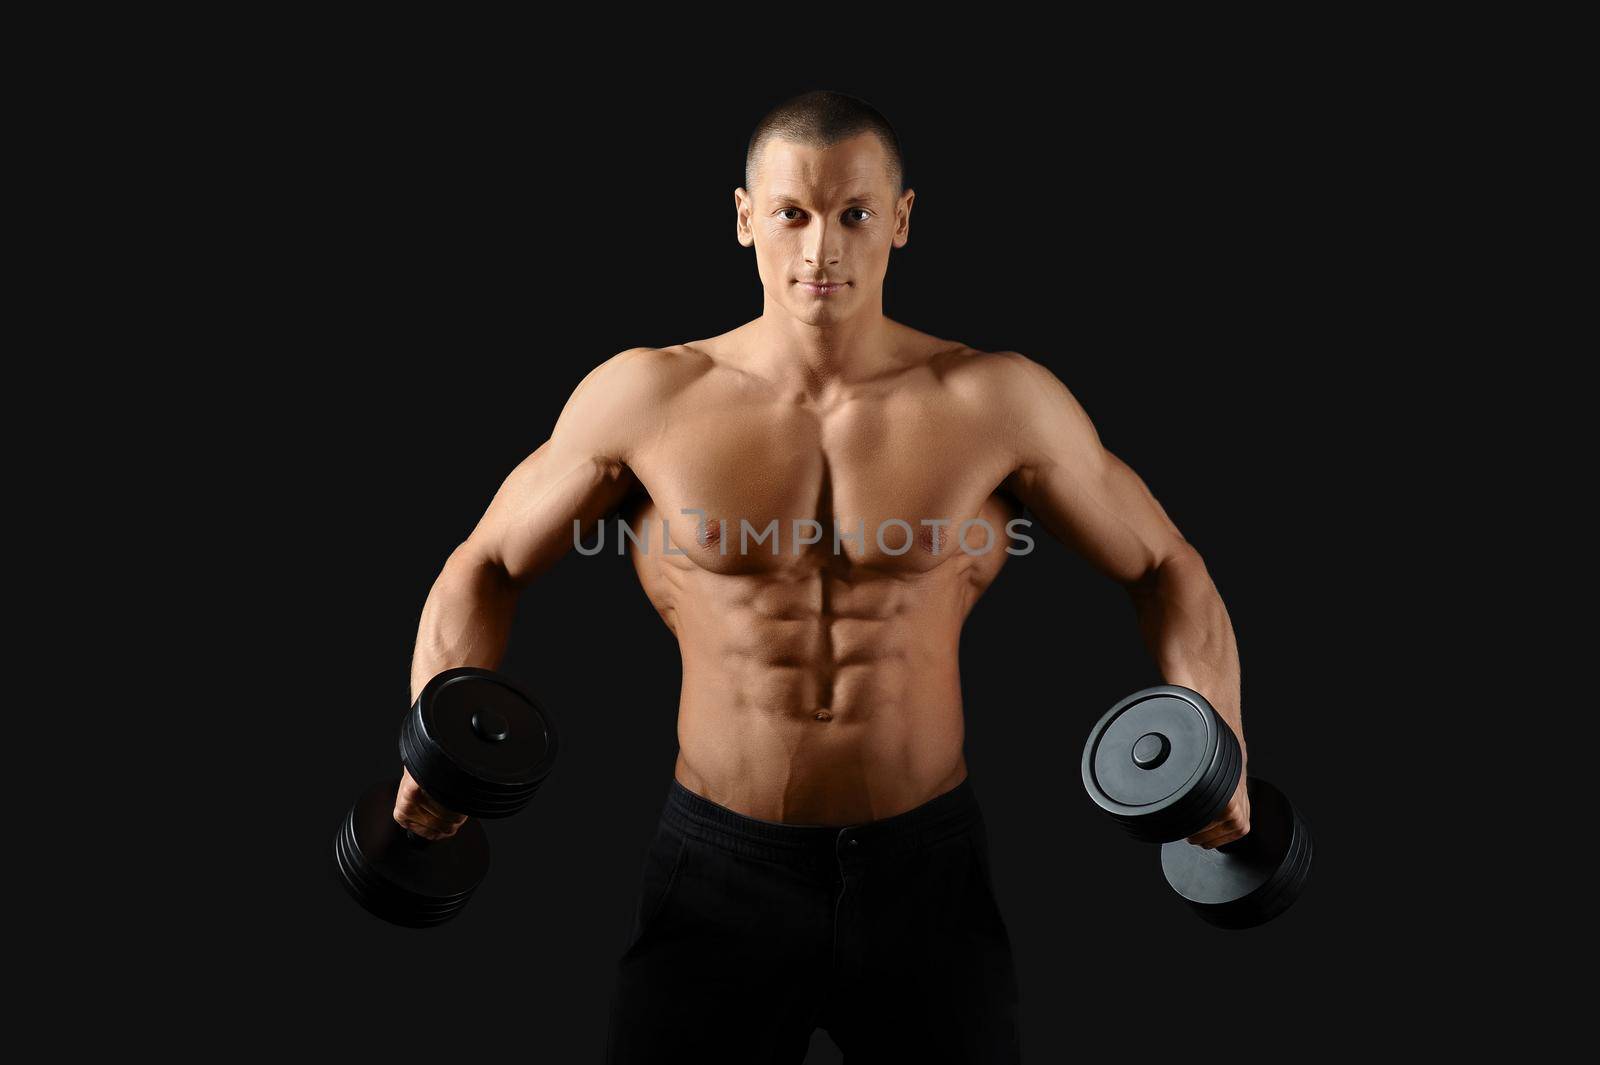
(823, 288)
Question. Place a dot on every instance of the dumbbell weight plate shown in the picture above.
(1276, 897)
(1161, 763)
(387, 903)
(477, 743)
(1250, 884)
(401, 880)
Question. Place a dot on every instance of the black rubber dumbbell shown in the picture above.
(1164, 764)
(481, 746)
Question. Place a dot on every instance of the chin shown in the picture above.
(817, 314)
(823, 308)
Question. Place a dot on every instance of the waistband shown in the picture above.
(950, 814)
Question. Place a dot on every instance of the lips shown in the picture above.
(822, 288)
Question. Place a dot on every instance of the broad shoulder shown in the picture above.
(622, 401)
(1004, 369)
(639, 369)
(1005, 383)
(639, 377)
(1028, 409)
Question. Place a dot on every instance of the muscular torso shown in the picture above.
(821, 686)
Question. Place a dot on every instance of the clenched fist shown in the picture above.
(1233, 824)
(417, 811)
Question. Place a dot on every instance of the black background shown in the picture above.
(444, 259)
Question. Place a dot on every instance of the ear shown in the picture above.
(902, 218)
(743, 204)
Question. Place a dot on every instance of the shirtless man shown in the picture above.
(821, 860)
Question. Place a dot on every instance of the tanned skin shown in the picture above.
(821, 687)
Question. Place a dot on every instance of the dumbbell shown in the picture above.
(481, 746)
(1163, 763)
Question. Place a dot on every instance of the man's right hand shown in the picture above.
(417, 811)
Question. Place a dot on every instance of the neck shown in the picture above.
(816, 360)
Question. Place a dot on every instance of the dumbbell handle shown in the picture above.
(1243, 845)
(411, 837)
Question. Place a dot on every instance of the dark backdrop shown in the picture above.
(449, 258)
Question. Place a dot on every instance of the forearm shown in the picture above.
(1189, 634)
(466, 620)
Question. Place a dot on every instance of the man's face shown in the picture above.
(823, 215)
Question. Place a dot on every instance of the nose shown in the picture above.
(821, 244)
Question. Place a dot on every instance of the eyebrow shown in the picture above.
(865, 197)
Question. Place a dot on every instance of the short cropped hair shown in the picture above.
(822, 118)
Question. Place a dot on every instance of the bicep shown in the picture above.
(1083, 494)
(574, 478)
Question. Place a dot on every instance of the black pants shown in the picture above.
(750, 934)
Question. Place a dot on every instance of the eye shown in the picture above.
(782, 210)
(863, 210)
